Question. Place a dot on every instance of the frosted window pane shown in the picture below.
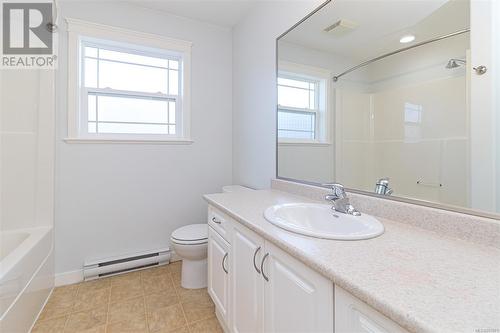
(296, 121)
(132, 58)
(295, 135)
(171, 112)
(413, 113)
(92, 115)
(92, 127)
(90, 52)
(296, 125)
(293, 97)
(118, 128)
(90, 73)
(132, 77)
(123, 109)
(173, 82)
(171, 129)
(173, 64)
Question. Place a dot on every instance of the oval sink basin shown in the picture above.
(321, 221)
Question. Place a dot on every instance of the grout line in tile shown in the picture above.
(66, 323)
(144, 302)
(72, 307)
(109, 304)
(180, 303)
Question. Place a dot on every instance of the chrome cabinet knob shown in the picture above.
(480, 70)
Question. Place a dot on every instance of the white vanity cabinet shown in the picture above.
(296, 298)
(218, 273)
(247, 284)
(269, 291)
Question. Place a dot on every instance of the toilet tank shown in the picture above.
(235, 188)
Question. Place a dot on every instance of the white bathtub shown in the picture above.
(26, 276)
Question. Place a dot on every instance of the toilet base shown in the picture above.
(194, 274)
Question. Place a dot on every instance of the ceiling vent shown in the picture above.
(341, 28)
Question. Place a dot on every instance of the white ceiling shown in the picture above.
(381, 24)
(223, 12)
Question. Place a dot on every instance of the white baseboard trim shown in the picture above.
(66, 278)
(63, 279)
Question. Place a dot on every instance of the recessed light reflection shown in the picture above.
(407, 39)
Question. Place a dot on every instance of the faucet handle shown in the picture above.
(338, 189)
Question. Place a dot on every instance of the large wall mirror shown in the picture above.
(379, 100)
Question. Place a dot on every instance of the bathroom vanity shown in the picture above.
(266, 279)
(258, 287)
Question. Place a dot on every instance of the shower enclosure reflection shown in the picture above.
(360, 101)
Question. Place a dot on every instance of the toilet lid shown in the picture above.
(192, 232)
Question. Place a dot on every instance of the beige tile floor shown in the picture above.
(145, 301)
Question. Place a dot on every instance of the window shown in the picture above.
(298, 106)
(413, 122)
(128, 93)
(304, 105)
(129, 85)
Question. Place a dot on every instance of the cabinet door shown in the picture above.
(246, 281)
(353, 315)
(218, 272)
(296, 298)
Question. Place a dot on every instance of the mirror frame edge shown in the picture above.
(417, 202)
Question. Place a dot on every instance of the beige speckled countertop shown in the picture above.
(423, 281)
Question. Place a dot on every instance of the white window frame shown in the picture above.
(315, 111)
(81, 34)
(322, 110)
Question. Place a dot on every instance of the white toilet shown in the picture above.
(191, 243)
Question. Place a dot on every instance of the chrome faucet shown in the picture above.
(382, 187)
(340, 200)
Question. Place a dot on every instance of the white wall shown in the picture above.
(254, 88)
(311, 162)
(121, 198)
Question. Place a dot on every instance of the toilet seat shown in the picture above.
(176, 241)
(192, 234)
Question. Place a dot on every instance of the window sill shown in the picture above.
(304, 143)
(180, 141)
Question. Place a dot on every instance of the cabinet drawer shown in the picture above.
(220, 222)
(353, 315)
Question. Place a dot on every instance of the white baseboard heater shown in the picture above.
(124, 264)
